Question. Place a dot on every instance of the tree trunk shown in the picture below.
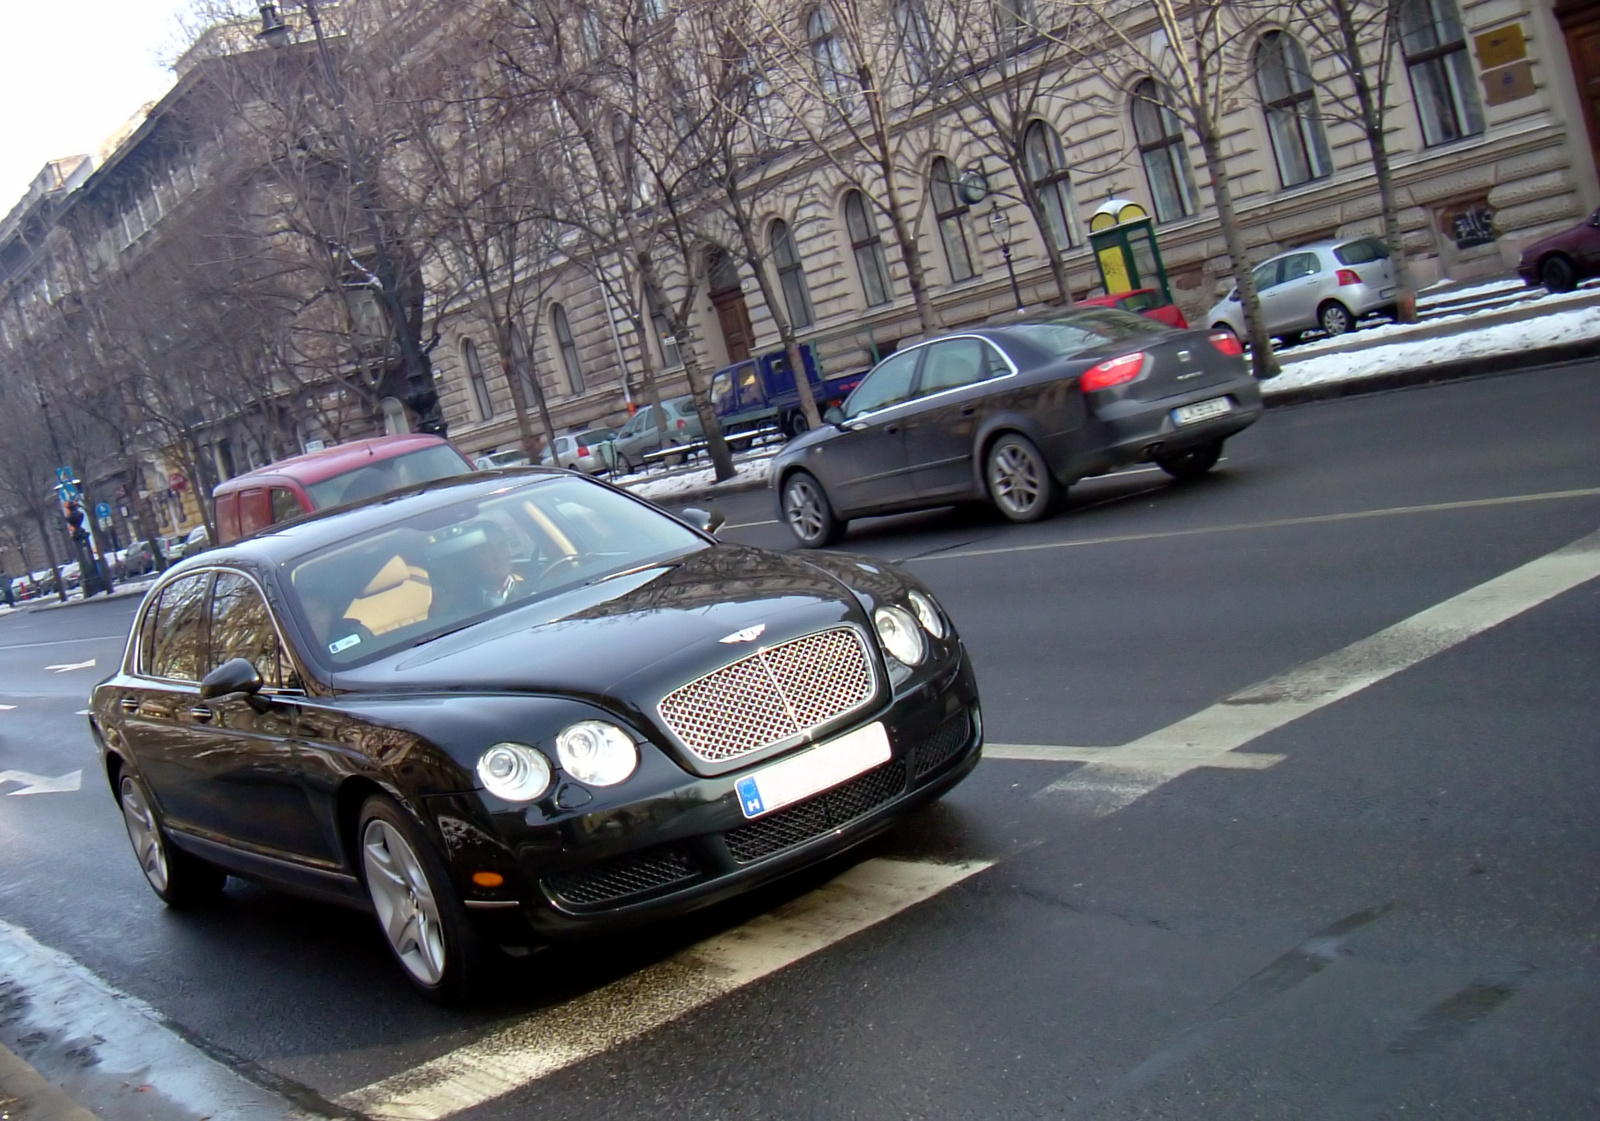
(1264, 361)
(775, 308)
(716, 445)
(1058, 264)
(50, 556)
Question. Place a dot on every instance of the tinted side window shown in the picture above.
(179, 629)
(1361, 252)
(1268, 275)
(241, 627)
(1301, 264)
(285, 505)
(952, 364)
(888, 385)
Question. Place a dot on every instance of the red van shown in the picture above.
(360, 469)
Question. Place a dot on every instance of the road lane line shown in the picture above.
(548, 1041)
(1276, 523)
(64, 642)
(1114, 778)
(1128, 753)
(751, 525)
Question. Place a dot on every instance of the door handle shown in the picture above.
(891, 429)
(129, 704)
(201, 713)
(968, 410)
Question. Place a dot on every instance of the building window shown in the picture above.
(1047, 172)
(475, 378)
(1441, 74)
(1014, 22)
(791, 275)
(1293, 122)
(916, 32)
(832, 63)
(951, 213)
(569, 349)
(667, 341)
(1161, 147)
(522, 365)
(868, 249)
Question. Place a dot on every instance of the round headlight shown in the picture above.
(927, 614)
(514, 771)
(597, 753)
(900, 635)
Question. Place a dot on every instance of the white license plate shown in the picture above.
(811, 772)
(1386, 293)
(1201, 410)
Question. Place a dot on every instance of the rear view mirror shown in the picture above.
(834, 416)
(236, 675)
(704, 520)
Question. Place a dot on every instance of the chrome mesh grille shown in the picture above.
(633, 874)
(771, 695)
(818, 815)
(939, 748)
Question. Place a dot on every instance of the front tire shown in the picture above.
(796, 424)
(624, 465)
(1557, 274)
(809, 513)
(1335, 318)
(425, 926)
(180, 880)
(1193, 463)
(1020, 484)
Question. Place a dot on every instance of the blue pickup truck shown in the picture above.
(761, 391)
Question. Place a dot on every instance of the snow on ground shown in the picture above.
(1432, 294)
(1551, 329)
(752, 471)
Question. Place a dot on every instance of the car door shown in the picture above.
(1267, 277)
(1299, 290)
(864, 467)
(258, 770)
(952, 395)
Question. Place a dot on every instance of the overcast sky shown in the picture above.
(75, 70)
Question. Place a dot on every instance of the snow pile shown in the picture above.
(750, 472)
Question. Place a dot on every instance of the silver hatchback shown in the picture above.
(1325, 286)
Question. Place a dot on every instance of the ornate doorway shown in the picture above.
(727, 296)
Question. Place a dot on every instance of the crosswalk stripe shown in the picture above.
(558, 1037)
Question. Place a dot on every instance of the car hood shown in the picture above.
(628, 640)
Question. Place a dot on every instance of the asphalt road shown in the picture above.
(1367, 888)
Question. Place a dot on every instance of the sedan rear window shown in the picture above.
(1362, 252)
(1076, 332)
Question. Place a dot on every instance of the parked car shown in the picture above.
(421, 706)
(1016, 413)
(1326, 286)
(1558, 262)
(591, 452)
(680, 424)
(248, 503)
(71, 575)
(198, 540)
(515, 457)
(1143, 301)
(138, 559)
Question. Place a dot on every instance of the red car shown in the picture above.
(1561, 260)
(1145, 301)
(333, 476)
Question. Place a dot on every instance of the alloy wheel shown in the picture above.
(404, 901)
(144, 833)
(1015, 480)
(804, 508)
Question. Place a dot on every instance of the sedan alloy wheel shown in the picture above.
(1019, 480)
(178, 878)
(808, 512)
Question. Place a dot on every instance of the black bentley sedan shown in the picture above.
(1016, 414)
(504, 709)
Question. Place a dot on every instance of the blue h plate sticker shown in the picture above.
(749, 796)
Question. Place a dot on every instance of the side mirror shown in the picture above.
(236, 675)
(708, 521)
(834, 416)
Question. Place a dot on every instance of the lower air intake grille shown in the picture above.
(816, 816)
(616, 879)
(939, 748)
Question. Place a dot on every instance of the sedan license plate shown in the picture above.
(1386, 293)
(1201, 410)
(811, 772)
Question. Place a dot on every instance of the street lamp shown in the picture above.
(1000, 225)
(276, 34)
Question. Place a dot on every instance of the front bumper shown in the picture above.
(689, 845)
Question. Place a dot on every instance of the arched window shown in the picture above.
(569, 349)
(867, 247)
(475, 378)
(1441, 74)
(951, 211)
(831, 60)
(791, 275)
(1047, 172)
(1293, 122)
(522, 365)
(916, 32)
(1161, 147)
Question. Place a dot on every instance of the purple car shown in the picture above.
(1561, 260)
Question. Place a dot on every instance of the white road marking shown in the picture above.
(64, 642)
(7, 708)
(68, 667)
(1112, 778)
(41, 784)
(547, 1041)
(1277, 523)
(83, 712)
(751, 525)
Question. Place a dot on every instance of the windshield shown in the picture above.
(1084, 330)
(380, 476)
(440, 570)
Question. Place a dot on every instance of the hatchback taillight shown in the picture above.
(1114, 371)
(1349, 276)
(1227, 342)
(681, 424)
(583, 449)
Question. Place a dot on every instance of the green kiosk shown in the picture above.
(1124, 241)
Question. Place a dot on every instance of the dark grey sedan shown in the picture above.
(1016, 414)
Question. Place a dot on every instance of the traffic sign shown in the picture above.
(102, 510)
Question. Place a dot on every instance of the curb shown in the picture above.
(24, 1094)
(1488, 365)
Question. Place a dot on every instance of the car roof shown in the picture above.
(314, 467)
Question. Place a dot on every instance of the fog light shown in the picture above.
(900, 635)
(597, 753)
(514, 771)
(927, 614)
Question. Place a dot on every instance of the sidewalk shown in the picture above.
(26, 1096)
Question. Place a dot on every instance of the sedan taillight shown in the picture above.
(1349, 276)
(1227, 342)
(1114, 371)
